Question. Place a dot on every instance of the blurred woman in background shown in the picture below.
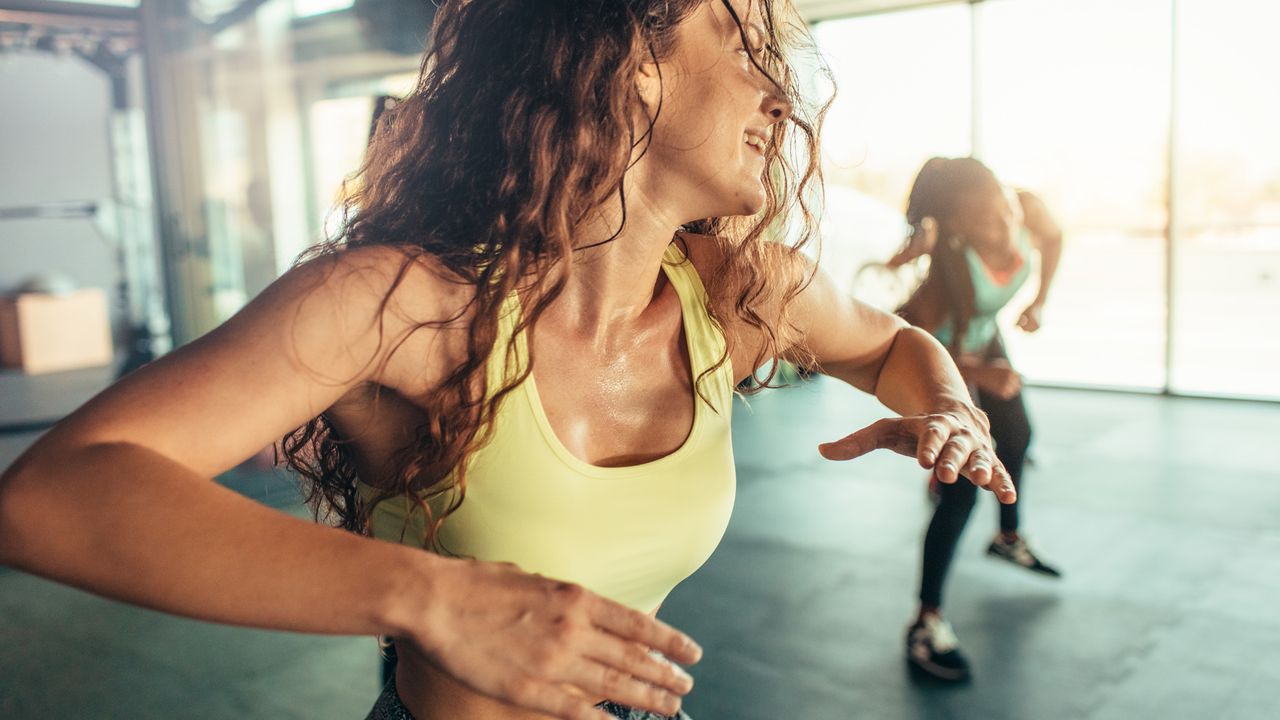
(979, 237)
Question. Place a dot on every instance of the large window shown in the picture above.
(1072, 99)
(1074, 105)
(1226, 284)
(896, 106)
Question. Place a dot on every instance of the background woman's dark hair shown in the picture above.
(938, 191)
(522, 122)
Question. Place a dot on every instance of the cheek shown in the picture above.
(695, 118)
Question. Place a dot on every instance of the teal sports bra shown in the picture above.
(989, 297)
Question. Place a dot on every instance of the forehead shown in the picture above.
(748, 12)
(987, 196)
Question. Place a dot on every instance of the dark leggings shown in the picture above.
(1011, 432)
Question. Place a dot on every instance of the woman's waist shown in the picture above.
(430, 693)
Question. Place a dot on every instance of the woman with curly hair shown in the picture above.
(520, 355)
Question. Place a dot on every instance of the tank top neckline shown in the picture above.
(1003, 278)
(691, 293)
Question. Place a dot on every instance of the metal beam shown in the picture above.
(76, 9)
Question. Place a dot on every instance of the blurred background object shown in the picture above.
(210, 140)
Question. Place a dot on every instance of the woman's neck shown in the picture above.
(612, 284)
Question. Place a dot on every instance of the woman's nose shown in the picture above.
(776, 105)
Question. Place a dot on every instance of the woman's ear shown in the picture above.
(649, 85)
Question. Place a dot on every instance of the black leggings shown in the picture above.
(1011, 432)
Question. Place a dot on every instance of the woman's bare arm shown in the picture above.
(117, 498)
(878, 353)
(908, 371)
(1046, 235)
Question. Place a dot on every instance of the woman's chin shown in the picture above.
(748, 201)
(744, 200)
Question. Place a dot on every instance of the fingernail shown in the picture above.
(695, 650)
(948, 467)
(685, 679)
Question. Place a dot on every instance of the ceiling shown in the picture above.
(814, 10)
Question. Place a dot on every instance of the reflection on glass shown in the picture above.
(273, 110)
(1074, 105)
(1226, 292)
(307, 8)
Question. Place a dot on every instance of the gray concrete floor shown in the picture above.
(1162, 513)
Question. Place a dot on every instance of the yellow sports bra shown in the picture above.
(627, 533)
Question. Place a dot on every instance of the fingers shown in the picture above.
(552, 699)
(603, 654)
(1029, 320)
(986, 472)
(1002, 485)
(607, 681)
(650, 632)
(933, 436)
(1012, 385)
(638, 662)
(978, 469)
(951, 446)
(956, 454)
(859, 443)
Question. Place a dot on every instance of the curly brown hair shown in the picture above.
(490, 163)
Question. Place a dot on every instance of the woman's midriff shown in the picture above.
(431, 694)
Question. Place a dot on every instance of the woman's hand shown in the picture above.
(550, 646)
(998, 378)
(1029, 320)
(953, 443)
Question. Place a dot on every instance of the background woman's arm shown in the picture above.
(1046, 235)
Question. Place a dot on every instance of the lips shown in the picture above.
(756, 140)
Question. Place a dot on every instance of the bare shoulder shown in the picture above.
(323, 331)
(1037, 217)
(419, 309)
(400, 284)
